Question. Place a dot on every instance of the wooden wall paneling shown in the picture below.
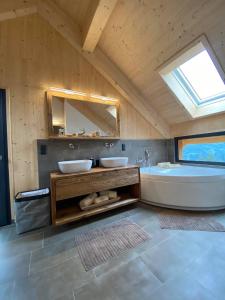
(204, 125)
(10, 150)
(169, 27)
(68, 29)
(34, 57)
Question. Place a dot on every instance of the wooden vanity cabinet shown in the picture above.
(68, 189)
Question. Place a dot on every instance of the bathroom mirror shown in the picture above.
(77, 115)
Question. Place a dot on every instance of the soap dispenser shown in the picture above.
(93, 162)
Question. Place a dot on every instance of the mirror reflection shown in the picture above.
(72, 117)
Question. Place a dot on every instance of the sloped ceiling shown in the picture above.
(77, 9)
(142, 34)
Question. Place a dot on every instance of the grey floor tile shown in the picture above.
(171, 257)
(8, 233)
(53, 283)
(204, 239)
(21, 245)
(182, 287)
(209, 271)
(143, 218)
(132, 276)
(94, 290)
(53, 234)
(172, 265)
(15, 267)
(6, 290)
(52, 255)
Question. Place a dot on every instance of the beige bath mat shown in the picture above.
(97, 246)
(184, 220)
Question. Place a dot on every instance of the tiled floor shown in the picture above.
(172, 265)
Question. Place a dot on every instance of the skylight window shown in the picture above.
(196, 78)
(202, 76)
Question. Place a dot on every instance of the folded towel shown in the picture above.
(101, 199)
(168, 165)
(88, 200)
(110, 194)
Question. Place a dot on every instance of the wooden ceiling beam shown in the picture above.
(97, 17)
(11, 9)
(62, 23)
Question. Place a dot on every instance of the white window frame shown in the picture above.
(166, 71)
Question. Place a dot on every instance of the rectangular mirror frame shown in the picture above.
(51, 93)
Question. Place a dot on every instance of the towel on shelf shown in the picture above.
(101, 199)
(88, 200)
(110, 194)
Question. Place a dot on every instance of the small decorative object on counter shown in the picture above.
(93, 162)
(61, 131)
(32, 210)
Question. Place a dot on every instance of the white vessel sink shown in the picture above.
(112, 162)
(73, 166)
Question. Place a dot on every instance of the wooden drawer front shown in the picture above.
(85, 184)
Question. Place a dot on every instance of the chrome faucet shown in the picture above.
(147, 158)
(109, 145)
(74, 147)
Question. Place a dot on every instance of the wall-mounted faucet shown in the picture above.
(109, 145)
(74, 147)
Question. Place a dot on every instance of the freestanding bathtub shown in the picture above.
(184, 187)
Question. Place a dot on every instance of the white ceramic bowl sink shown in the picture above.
(73, 166)
(112, 162)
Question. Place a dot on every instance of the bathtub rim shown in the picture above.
(183, 178)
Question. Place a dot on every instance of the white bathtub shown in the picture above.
(185, 187)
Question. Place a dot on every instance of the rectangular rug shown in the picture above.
(184, 220)
(97, 246)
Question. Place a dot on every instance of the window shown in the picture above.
(197, 80)
(203, 148)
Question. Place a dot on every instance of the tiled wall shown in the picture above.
(59, 150)
(170, 149)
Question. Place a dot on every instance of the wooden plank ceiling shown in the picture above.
(86, 37)
(134, 39)
(142, 34)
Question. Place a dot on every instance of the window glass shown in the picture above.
(201, 74)
(209, 149)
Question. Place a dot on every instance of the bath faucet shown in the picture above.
(147, 158)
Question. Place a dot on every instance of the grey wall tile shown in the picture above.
(84, 149)
(170, 150)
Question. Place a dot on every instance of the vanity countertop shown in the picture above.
(58, 174)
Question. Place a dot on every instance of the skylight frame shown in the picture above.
(183, 89)
(180, 76)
